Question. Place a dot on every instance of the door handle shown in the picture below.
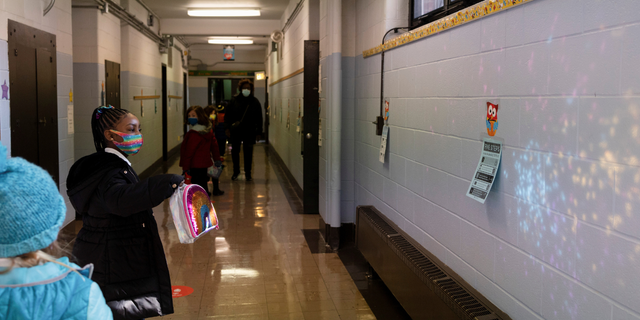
(309, 135)
(43, 121)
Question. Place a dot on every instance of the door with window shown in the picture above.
(33, 96)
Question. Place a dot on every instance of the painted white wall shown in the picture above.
(558, 235)
(58, 22)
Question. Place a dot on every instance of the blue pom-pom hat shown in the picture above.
(31, 208)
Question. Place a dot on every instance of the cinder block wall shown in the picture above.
(558, 237)
(141, 74)
(284, 96)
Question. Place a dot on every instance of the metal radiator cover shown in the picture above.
(424, 289)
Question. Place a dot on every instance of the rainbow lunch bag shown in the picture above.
(193, 213)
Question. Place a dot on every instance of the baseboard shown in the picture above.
(159, 165)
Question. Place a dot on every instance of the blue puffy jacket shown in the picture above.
(51, 291)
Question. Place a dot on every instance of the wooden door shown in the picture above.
(112, 84)
(33, 96)
(311, 165)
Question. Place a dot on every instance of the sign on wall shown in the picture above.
(70, 124)
(486, 170)
(229, 53)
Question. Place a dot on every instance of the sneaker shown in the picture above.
(248, 177)
(235, 176)
(217, 192)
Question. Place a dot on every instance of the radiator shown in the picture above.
(425, 288)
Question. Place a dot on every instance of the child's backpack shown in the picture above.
(193, 213)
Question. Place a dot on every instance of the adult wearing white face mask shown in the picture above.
(243, 119)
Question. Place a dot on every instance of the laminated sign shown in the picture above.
(486, 171)
(383, 142)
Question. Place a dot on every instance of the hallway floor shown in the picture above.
(258, 265)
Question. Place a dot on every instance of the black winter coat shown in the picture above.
(119, 234)
(252, 123)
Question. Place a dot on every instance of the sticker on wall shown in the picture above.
(70, 125)
(486, 170)
(386, 111)
(383, 142)
(5, 90)
(492, 118)
(70, 95)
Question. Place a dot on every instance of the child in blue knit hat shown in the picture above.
(33, 283)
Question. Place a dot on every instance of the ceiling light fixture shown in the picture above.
(230, 41)
(223, 12)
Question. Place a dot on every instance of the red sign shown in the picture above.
(181, 291)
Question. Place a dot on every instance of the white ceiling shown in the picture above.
(171, 9)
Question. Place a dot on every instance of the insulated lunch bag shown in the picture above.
(193, 213)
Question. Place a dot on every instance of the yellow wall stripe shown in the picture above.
(295, 73)
(472, 13)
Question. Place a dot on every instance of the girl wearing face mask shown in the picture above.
(119, 234)
(199, 149)
(243, 118)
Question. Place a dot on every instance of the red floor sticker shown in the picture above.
(181, 291)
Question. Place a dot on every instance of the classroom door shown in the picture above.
(311, 173)
(112, 90)
(33, 97)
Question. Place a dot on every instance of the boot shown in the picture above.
(216, 187)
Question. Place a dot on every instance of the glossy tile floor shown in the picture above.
(258, 265)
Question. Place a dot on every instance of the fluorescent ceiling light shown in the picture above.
(230, 41)
(223, 12)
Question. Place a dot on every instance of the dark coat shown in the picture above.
(197, 149)
(119, 234)
(252, 123)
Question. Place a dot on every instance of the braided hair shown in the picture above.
(104, 118)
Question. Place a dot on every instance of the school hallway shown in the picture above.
(419, 159)
(259, 264)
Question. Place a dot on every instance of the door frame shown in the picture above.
(165, 141)
(185, 94)
(108, 90)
